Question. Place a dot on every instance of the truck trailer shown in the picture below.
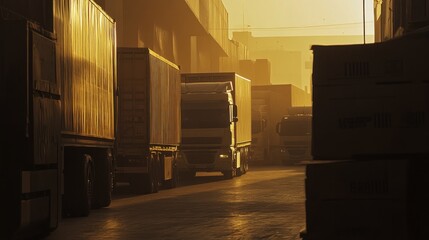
(57, 101)
(148, 120)
(216, 123)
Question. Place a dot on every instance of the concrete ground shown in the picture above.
(266, 203)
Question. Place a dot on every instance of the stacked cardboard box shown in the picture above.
(371, 99)
(370, 115)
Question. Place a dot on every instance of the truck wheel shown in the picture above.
(172, 183)
(239, 171)
(103, 182)
(246, 162)
(246, 166)
(242, 169)
(79, 186)
(229, 174)
(150, 180)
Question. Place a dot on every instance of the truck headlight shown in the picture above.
(223, 156)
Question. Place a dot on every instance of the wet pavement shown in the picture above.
(266, 203)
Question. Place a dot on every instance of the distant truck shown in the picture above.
(148, 120)
(295, 134)
(269, 104)
(57, 102)
(216, 123)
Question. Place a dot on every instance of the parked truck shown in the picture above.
(57, 102)
(295, 134)
(272, 102)
(148, 120)
(216, 123)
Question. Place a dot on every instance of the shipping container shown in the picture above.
(148, 119)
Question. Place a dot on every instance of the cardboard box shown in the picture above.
(357, 180)
(357, 219)
(371, 199)
(398, 60)
(371, 99)
(370, 119)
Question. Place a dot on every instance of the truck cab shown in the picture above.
(208, 117)
(295, 135)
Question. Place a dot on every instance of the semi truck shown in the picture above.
(216, 124)
(148, 120)
(57, 102)
(272, 102)
(294, 130)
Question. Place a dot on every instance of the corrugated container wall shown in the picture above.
(86, 45)
(165, 95)
(149, 99)
(242, 94)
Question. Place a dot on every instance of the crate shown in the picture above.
(370, 119)
(371, 99)
(398, 60)
(367, 199)
(357, 180)
(368, 219)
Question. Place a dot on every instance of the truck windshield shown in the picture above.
(205, 118)
(296, 127)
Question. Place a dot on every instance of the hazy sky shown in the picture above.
(300, 17)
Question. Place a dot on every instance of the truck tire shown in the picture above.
(151, 180)
(240, 171)
(172, 183)
(79, 186)
(229, 174)
(103, 182)
(246, 162)
(137, 183)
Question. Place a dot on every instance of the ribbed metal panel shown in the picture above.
(149, 99)
(164, 102)
(85, 66)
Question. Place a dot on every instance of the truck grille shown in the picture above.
(200, 157)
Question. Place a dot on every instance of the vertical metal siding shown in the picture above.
(46, 128)
(133, 99)
(85, 63)
(164, 102)
(149, 99)
(242, 95)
